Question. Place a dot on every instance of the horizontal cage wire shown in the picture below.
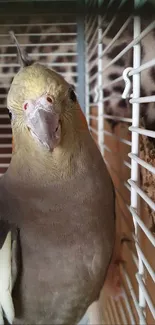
(120, 138)
(119, 126)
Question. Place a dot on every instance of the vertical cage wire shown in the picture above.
(137, 303)
(99, 87)
(135, 144)
(87, 107)
(97, 36)
(80, 61)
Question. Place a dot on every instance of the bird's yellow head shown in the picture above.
(43, 106)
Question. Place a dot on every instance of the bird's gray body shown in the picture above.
(67, 232)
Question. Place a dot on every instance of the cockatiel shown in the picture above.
(57, 205)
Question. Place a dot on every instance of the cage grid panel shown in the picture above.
(119, 144)
(140, 309)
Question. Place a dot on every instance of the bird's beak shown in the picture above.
(42, 121)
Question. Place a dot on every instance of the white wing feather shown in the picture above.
(6, 303)
(1, 316)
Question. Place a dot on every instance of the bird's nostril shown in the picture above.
(49, 99)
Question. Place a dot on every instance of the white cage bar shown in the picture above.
(120, 148)
(96, 116)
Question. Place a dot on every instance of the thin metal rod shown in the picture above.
(94, 36)
(111, 97)
(117, 118)
(2, 145)
(142, 226)
(3, 116)
(112, 82)
(4, 86)
(127, 164)
(40, 24)
(146, 99)
(107, 29)
(40, 34)
(107, 320)
(94, 50)
(142, 163)
(93, 130)
(80, 61)
(92, 65)
(64, 74)
(5, 136)
(122, 312)
(50, 64)
(146, 295)
(5, 126)
(116, 154)
(142, 67)
(129, 309)
(93, 104)
(42, 44)
(138, 309)
(4, 165)
(135, 202)
(116, 36)
(142, 131)
(117, 138)
(13, 55)
(88, 22)
(117, 319)
(145, 261)
(100, 93)
(3, 96)
(87, 103)
(133, 255)
(110, 313)
(91, 30)
(114, 117)
(130, 45)
(95, 76)
(138, 190)
(5, 155)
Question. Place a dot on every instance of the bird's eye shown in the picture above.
(72, 95)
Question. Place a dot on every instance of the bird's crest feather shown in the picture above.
(23, 58)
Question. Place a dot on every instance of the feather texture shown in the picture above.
(6, 302)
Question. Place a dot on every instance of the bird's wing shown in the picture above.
(8, 269)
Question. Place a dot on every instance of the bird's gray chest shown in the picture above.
(53, 218)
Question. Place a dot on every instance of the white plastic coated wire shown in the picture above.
(132, 292)
(127, 82)
(142, 163)
(116, 36)
(142, 226)
(133, 81)
(13, 55)
(133, 43)
(135, 143)
(100, 93)
(115, 313)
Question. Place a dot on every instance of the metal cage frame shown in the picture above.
(115, 314)
(120, 312)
